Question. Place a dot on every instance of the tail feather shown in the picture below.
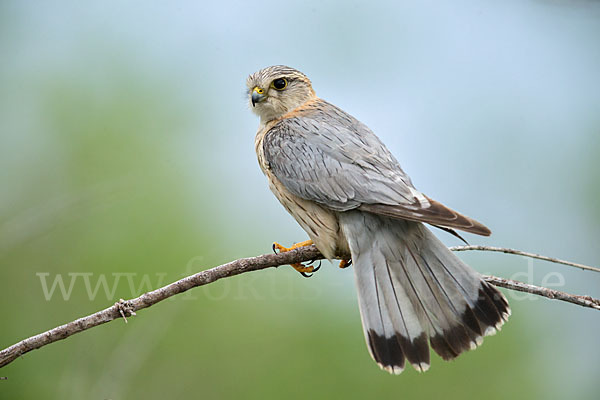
(447, 338)
(377, 317)
(412, 290)
(408, 320)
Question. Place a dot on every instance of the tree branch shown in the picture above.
(584, 301)
(524, 254)
(129, 307)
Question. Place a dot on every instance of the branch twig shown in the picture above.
(524, 254)
(584, 301)
(129, 307)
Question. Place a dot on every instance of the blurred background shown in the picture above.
(127, 161)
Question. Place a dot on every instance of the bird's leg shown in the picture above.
(345, 263)
(303, 269)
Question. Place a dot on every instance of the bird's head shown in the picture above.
(276, 90)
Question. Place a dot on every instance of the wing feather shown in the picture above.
(322, 154)
(435, 214)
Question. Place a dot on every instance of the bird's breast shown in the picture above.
(320, 223)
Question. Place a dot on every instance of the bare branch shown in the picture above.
(525, 254)
(129, 307)
(585, 301)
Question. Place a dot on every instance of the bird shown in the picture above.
(348, 192)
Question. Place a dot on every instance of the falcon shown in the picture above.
(350, 195)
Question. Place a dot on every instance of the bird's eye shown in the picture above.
(280, 83)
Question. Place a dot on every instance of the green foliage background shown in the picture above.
(126, 152)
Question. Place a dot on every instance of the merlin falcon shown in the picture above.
(350, 195)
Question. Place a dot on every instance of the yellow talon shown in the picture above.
(345, 263)
(298, 267)
(296, 246)
(303, 269)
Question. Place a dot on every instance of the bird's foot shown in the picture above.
(345, 263)
(306, 269)
(277, 246)
(303, 269)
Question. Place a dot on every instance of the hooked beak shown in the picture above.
(258, 95)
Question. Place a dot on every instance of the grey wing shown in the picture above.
(335, 160)
(339, 166)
